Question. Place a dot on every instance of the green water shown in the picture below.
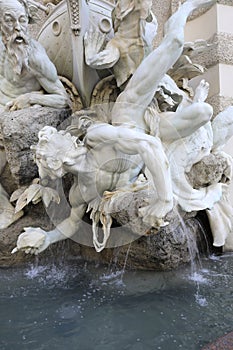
(85, 307)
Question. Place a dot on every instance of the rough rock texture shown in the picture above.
(208, 171)
(167, 249)
(37, 217)
(172, 246)
(219, 103)
(225, 2)
(162, 11)
(219, 50)
(8, 236)
(20, 131)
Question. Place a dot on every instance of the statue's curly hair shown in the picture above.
(54, 144)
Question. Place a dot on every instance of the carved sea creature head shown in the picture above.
(53, 151)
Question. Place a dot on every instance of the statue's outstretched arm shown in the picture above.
(55, 95)
(35, 240)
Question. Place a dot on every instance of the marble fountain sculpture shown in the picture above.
(134, 129)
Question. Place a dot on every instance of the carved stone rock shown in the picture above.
(176, 244)
(209, 170)
(20, 131)
(166, 249)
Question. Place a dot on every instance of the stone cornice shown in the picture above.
(201, 11)
(219, 103)
(225, 2)
(220, 50)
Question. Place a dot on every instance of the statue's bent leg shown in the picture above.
(176, 125)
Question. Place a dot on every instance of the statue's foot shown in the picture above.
(202, 91)
(8, 217)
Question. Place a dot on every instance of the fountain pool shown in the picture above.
(88, 307)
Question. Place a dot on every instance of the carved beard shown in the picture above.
(18, 52)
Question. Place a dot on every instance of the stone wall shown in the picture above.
(162, 10)
(215, 26)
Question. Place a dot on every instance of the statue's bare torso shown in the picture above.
(39, 75)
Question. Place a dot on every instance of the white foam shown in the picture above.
(34, 271)
(201, 300)
(197, 277)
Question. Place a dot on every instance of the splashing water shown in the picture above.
(198, 278)
(191, 242)
(81, 306)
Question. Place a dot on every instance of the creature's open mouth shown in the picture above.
(19, 40)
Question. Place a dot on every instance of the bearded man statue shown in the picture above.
(27, 77)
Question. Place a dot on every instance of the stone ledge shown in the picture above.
(220, 50)
(197, 13)
(219, 103)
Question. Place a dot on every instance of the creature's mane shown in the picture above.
(54, 144)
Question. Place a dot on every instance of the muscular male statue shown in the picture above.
(97, 164)
(27, 77)
(132, 20)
